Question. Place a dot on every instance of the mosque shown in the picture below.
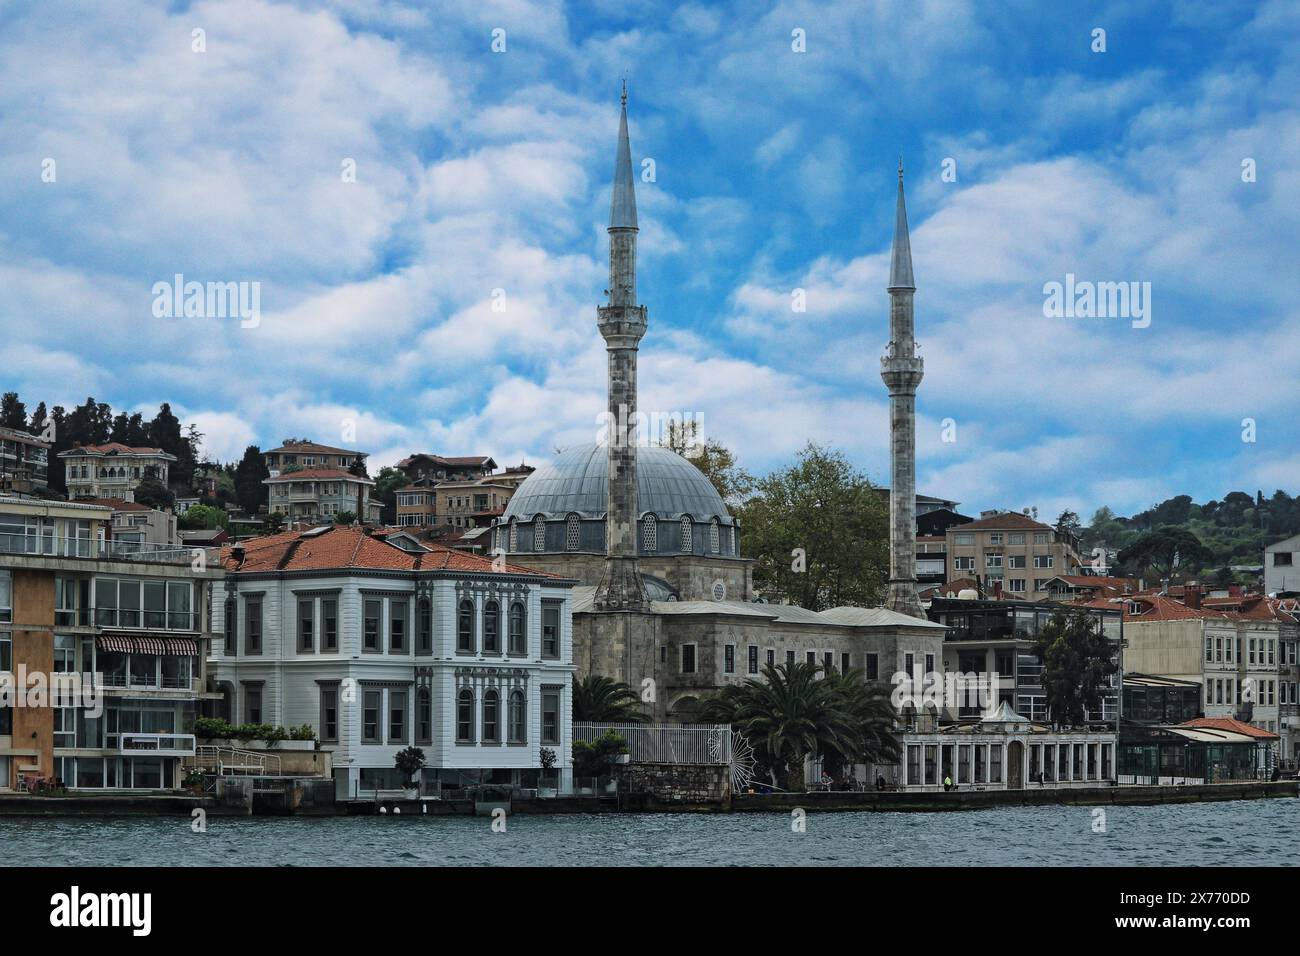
(666, 600)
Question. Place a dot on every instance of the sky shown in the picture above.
(443, 298)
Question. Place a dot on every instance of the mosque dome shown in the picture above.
(679, 510)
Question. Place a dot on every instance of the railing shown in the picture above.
(168, 681)
(66, 547)
(708, 744)
(229, 761)
(180, 745)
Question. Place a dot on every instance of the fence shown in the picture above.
(704, 744)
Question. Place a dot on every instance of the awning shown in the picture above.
(135, 643)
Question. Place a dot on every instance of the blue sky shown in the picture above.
(774, 171)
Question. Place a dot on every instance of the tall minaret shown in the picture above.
(901, 369)
(621, 324)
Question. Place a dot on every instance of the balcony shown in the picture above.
(164, 745)
(65, 547)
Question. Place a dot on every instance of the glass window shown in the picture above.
(252, 703)
(465, 716)
(370, 704)
(753, 658)
(397, 716)
(306, 637)
(423, 716)
(155, 604)
(729, 659)
(491, 629)
(550, 630)
(517, 717)
(550, 716)
(397, 625)
(425, 640)
(649, 534)
(465, 627)
(178, 605)
(329, 714)
(491, 717)
(370, 632)
(253, 626)
(329, 612)
(688, 658)
(517, 639)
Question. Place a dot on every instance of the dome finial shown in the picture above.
(900, 258)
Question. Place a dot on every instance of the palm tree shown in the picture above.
(602, 700)
(788, 715)
(872, 712)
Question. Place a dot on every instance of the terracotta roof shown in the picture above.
(309, 474)
(114, 448)
(452, 460)
(312, 448)
(1012, 520)
(1161, 608)
(1230, 724)
(117, 504)
(346, 546)
(1096, 580)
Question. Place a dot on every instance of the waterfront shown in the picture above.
(1202, 834)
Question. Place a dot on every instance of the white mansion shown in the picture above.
(379, 648)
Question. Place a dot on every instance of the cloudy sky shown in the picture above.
(482, 177)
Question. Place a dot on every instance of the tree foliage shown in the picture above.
(601, 700)
(711, 457)
(1167, 550)
(819, 533)
(1077, 660)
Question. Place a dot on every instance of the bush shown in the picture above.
(409, 762)
(303, 732)
(210, 727)
(594, 759)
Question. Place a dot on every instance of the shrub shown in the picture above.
(303, 732)
(409, 762)
(210, 727)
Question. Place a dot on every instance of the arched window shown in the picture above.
(518, 643)
(424, 636)
(686, 534)
(491, 717)
(491, 628)
(518, 729)
(465, 716)
(649, 534)
(539, 534)
(465, 626)
(713, 535)
(571, 533)
(731, 539)
(514, 535)
(423, 716)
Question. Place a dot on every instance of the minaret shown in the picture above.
(621, 324)
(901, 369)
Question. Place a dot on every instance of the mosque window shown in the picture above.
(539, 534)
(649, 533)
(514, 535)
(686, 534)
(571, 530)
(731, 539)
(713, 535)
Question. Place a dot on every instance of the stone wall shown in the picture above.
(680, 783)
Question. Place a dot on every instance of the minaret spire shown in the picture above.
(902, 369)
(622, 323)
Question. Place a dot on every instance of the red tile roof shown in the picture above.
(309, 474)
(345, 546)
(1012, 521)
(113, 448)
(117, 504)
(312, 448)
(1230, 724)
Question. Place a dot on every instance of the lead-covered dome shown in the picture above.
(678, 509)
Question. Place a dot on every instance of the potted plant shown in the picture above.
(193, 780)
(410, 762)
(547, 788)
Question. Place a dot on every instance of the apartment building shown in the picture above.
(472, 504)
(307, 455)
(417, 503)
(113, 470)
(319, 495)
(1015, 555)
(446, 468)
(136, 525)
(380, 647)
(1282, 566)
(1234, 651)
(119, 631)
(24, 462)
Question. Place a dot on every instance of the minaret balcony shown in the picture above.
(621, 321)
(902, 373)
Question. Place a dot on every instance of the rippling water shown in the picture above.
(1188, 834)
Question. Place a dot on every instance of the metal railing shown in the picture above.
(705, 744)
(179, 745)
(230, 761)
(66, 547)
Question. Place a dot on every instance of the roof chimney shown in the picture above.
(1192, 595)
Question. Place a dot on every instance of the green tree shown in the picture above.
(1068, 523)
(13, 413)
(791, 713)
(1166, 550)
(387, 482)
(602, 700)
(154, 493)
(345, 517)
(1077, 660)
(204, 517)
(819, 533)
(249, 475)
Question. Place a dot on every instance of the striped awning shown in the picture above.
(137, 643)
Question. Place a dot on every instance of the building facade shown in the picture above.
(1282, 567)
(320, 495)
(1013, 554)
(379, 648)
(24, 462)
(113, 470)
(307, 455)
(122, 631)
